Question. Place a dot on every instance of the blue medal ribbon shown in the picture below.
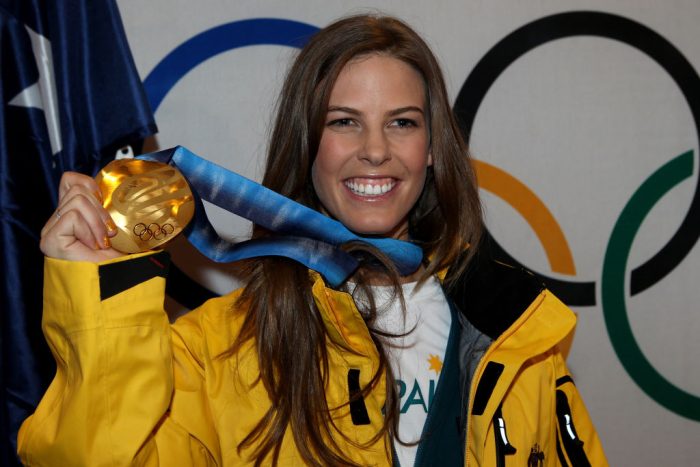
(303, 234)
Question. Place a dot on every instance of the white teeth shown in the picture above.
(369, 190)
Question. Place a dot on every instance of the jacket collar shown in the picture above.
(507, 304)
(345, 326)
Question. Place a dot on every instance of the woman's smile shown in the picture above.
(370, 188)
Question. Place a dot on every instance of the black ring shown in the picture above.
(632, 33)
(139, 229)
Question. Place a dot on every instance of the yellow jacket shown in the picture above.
(131, 389)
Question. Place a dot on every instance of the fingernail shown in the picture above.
(98, 195)
(106, 242)
(111, 226)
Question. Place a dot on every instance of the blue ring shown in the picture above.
(207, 44)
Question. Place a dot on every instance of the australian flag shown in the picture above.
(71, 98)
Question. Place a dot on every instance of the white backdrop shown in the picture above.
(581, 122)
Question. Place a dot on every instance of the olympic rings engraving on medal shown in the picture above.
(152, 231)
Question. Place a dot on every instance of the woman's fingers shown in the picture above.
(80, 227)
(72, 237)
(70, 180)
(72, 183)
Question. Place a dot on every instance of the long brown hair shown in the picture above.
(280, 314)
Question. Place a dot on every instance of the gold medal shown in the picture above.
(150, 202)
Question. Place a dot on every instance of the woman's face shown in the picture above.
(374, 151)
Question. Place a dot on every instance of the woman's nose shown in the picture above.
(376, 147)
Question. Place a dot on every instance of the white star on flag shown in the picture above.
(42, 94)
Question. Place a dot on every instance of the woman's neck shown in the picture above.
(377, 277)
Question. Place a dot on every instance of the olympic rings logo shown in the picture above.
(294, 34)
(511, 190)
(152, 231)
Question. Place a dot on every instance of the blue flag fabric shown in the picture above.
(70, 98)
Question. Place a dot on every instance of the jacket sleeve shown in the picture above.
(578, 444)
(127, 390)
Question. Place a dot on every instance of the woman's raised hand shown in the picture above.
(80, 228)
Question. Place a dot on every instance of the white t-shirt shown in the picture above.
(416, 358)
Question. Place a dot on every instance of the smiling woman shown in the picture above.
(373, 157)
(289, 370)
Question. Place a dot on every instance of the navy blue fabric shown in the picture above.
(100, 105)
(306, 235)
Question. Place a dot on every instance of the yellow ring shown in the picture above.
(525, 201)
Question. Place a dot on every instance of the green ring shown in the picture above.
(613, 289)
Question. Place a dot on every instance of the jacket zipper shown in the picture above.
(472, 389)
(500, 436)
(570, 440)
(478, 373)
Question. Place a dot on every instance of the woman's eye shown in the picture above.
(404, 123)
(341, 122)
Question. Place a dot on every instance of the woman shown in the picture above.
(287, 370)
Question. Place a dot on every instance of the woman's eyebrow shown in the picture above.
(337, 108)
(401, 110)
